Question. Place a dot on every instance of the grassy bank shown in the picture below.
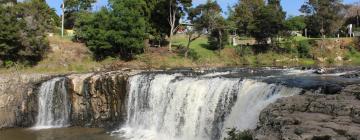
(67, 56)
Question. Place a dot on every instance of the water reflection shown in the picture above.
(56, 134)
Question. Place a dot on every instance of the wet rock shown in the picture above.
(351, 75)
(312, 116)
(98, 99)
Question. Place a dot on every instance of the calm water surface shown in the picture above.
(56, 134)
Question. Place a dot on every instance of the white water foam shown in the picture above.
(173, 107)
(53, 107)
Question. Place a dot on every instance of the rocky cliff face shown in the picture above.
(313, 116)
(18, 100)
(97, 100)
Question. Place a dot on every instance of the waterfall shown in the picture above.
(54, 106)
(177, 107)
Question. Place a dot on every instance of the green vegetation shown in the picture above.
(72, 10)
(148, 34)
(22, 32)
(108, 32)
(237, 135)
(324, 17)
(296, 23)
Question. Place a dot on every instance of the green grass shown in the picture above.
(76, 58)
(198, 46)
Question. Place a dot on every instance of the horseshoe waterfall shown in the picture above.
(173, 106)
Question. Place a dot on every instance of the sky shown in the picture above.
(290, 6)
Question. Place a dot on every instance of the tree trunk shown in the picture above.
(188, 45)
(220, 41)
(172, 21)
(170, 39)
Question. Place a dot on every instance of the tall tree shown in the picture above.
(243, 14)
(118, 31)
(268, 21)
(295, 23)
(323, 16)
(73, 7)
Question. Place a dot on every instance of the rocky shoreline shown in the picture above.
(312, 116)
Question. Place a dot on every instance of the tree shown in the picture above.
(243, 14)
(212, 20)
(268, 22)
(296, 23)
(352, 15)
(72, 8)
(176, 11)
(119, 31)
(326, 15)
(23, 27)
(202, 17)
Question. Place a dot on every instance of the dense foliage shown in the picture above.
(118, 32)
(296, 23)
(23, 27)
(72, 10)
(268, 22)
(243, 14)
(324, 17)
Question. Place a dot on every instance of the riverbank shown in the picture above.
(66, 57)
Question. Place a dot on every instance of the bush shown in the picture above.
(239, 135)
(353, 51)
(244, 50)
(218, 39)
(357, 43)
(304, 49)
(289, 46)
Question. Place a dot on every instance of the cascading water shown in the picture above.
(166, 107)
(54, 107)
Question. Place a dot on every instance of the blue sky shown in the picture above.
(290, 6)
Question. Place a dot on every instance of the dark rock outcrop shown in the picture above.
(312, 116)
(97, 99)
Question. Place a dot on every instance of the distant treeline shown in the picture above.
(125, 28)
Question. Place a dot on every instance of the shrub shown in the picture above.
(244, 50)
(218, 39)
(289, 46)
(304, 49)
(239, 135)
(353, 51)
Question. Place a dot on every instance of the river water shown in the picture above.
(56, 134)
